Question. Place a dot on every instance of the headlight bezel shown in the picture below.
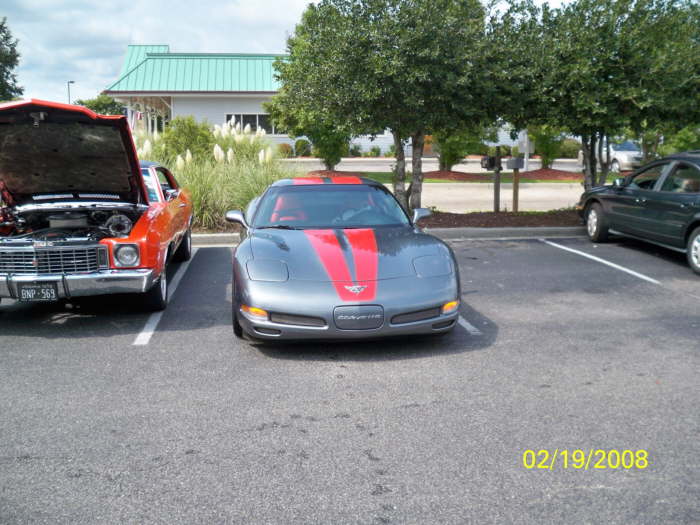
(119, 263)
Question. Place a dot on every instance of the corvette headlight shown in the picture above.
(126, 255)
(432, 265)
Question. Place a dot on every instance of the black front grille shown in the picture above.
(299, 320)
(412, 317)
(52, 260)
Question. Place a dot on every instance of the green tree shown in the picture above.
(302, 120)
(548, 142)
(617, 63)
(103, 104)
(453, 146)
(9, 59)
(410, 66)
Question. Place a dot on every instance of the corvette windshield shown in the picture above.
(328, 206)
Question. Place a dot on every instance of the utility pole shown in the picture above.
(68, 84)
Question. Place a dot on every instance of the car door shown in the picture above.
(177, 207)
(675, 204)
(628, 212)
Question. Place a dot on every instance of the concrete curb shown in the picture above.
(510, 233)
(203, 239)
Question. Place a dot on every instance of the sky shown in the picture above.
(85, 40)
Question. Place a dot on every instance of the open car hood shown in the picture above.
(52, 148)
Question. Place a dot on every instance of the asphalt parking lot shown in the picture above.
(556, 351)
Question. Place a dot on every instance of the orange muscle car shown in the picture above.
(79, 215)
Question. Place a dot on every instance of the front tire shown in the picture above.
(693, 250)
(156, 299)
(615, 166)
(596, 223)
(237, 328)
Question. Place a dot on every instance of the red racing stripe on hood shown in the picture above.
(364, 252)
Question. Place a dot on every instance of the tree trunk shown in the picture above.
(418, 143)
(604, 161)
(400, 171)
(589, 160)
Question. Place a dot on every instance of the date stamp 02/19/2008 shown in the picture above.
(579, 459)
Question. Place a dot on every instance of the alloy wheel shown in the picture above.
(592, 222)
(695, 251)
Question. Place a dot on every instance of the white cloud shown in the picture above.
(85, 41)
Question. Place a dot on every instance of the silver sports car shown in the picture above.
(339, 258)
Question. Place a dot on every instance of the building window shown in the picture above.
(260, 121)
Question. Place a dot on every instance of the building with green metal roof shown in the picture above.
(216, 87)
(156, 85)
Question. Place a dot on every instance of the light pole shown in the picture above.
(68, 85)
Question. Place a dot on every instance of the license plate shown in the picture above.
(31, 292)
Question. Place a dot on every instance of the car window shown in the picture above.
(684, 179)
(329, 206)
(163, 180)
(151, 185)
(646, 180)
(626, 146)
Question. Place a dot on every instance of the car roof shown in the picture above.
(148, 164)
(323, 180)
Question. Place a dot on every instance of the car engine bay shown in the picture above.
(67, 221)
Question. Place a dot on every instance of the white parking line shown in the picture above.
(473, 330)
(602, 261)
(149, 328)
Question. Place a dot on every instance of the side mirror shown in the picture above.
(619, 183)
(236, 216)
(171, 194)
(421, 213)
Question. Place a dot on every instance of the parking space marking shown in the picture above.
(473, 330)
(149, 328)
(602, 261)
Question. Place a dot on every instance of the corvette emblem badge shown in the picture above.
(356, 289)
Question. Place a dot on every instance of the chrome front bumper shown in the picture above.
(81, 285)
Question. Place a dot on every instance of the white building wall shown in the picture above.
(214, 108)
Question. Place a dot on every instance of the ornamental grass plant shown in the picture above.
(239, 166)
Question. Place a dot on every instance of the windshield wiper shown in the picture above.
(278, 227)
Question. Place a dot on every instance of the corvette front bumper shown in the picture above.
(270, 330)
(396, 298)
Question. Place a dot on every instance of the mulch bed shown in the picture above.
(541, 174)
(501, 220)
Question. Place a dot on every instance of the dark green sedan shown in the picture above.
(657, 203)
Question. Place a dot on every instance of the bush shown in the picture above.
(355, 150)
(183, 133)
(285, 150)
(302, 148)
(506, 150)
(374, 151)
(391, 152)
(569, 149)
(217, 187)
(548, 143)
